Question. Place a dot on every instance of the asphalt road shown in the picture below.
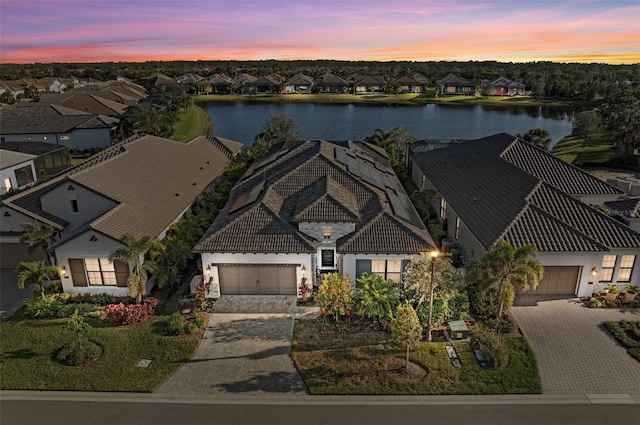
(123, 409)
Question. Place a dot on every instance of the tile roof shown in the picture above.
(35, 118)
(10, 158)
(483, 182)
(451, 79)
(150, 178)
(86, 102)
(306, 182)
(299, 79)
(627, 207)
(327, 79)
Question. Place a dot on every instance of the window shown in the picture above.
(393, 270)
(7, 184)
(378, 267)
(386, 269)
(100, 271)
(326, 233)
(443, 207)
(74, 206)
(24, 175)
(626, 268)
(457, 236)
(606, 270)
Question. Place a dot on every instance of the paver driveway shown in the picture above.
(575, 352)
(245, 349)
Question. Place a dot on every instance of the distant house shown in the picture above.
(140, 186)
(421, 79)
(17, 170)
(409, 85)
(452, 84)
(85, 102)
(266, 84)
(502, 86)
(329, 83)
(12, 88)
(369, 84)
(156, 80)
(48, 158)
(299, 83)
(218, 83)
(123, 92)
(189, 78)
(243, 82)
(36, 122)
(310, 208)
(627, 211)
(501, 188)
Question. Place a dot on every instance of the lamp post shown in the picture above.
(434, 254)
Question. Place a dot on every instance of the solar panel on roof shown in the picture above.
(402, 207)
(266, 161)
(341, 156)
(364, 156)
(247, 197)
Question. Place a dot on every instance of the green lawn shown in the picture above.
(357, 364)
(600, 148)
(27, 356)
(195, 122)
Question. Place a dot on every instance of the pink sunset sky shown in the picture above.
(140, 30)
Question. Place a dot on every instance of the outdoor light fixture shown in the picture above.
(303, 270)
(63, 270)
(594, 272)
(208, 270)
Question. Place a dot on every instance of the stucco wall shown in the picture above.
(90, 204)
(10, 173)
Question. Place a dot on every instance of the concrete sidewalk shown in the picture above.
(245, 349)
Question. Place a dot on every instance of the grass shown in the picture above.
(416, 99)
(195, 122)
(600, 148)
(27, 356)
(356, 363)
(627, 334)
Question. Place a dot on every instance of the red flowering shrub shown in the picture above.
(120, 314)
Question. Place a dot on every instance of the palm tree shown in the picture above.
(132, 251)
(376, 298)
(38, 235)
(506, 266)
(34, 273)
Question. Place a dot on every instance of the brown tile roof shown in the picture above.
(499, 200)
(299, 79)
(89, 103)
(152, 179)
(304, 181)
(33, 118)
(454, 80)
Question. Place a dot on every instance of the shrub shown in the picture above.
(84, 309)
(478, 302)
(42, 308)
(98, 299)
(376, 298)
(176, 324)
(627, 333)
(501, 325)
(191, 328)
(493, 347)
(199, 321)
(334, 296)
(438, 316)
(120, 314)
(458, 306)
(75, 354)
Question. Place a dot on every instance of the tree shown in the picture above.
(334, 296)
(406, 329)
(503, 267)
(278, 129)
(38, 236)
(584, 124)
(35, 273)
(131, 251)
(396, 145)
(375, 297)
(538, 137)
(621, 113)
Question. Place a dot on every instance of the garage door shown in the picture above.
(13, 253)
(557, 280)
(257, 279)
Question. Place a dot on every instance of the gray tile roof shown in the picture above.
(483, 182)
(36, 118)
(306, 182)
(150, 178)
(626, 207)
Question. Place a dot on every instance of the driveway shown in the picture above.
(10, 295)
(575, 352)
(245, 349)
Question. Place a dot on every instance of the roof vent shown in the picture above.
(193, 184)
(176, 194)
(208, 162)
(201, 168)
(71, 187)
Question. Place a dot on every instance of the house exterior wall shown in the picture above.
(78, 140)
(208, 259)
(10, 173)
(12, 221)
(90, 204)
(82, 247)
(316, 230)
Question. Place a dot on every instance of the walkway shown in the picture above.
(245, 349)
(575, 353)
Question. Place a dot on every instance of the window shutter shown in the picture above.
(362, 267)
(122, 272)
(77, 272)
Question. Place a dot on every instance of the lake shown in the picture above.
(241, 121)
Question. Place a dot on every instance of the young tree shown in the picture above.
(538, 137)
(34, 273)
(375, 297)
(406, 329)
(585, 124)
(38, 236)
(503, 267)
(334, 296)
(132, 251)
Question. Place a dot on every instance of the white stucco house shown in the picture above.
(503, 188)
(17, 170)
(141, 186)
(309, 208)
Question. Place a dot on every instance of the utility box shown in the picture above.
(458, 329)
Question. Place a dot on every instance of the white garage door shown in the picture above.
(257, 279)
(557, 280)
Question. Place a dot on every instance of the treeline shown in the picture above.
(561, 80)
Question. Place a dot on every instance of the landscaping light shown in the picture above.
(434, 255)
(594, 272)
